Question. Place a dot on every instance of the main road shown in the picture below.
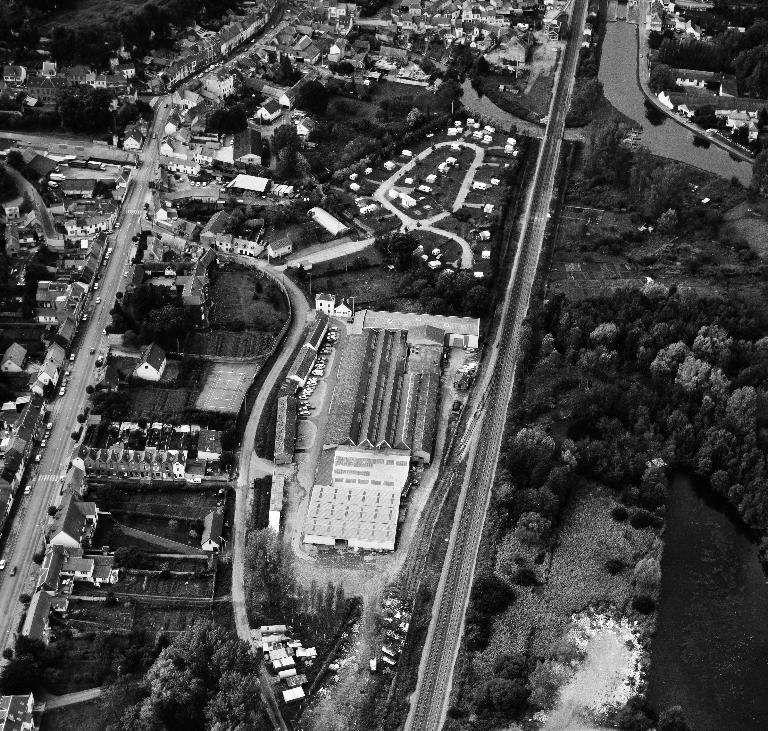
(430, 701)
(46, 476)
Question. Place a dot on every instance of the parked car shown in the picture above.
(62, 391)
(2, 564)
(14, 570)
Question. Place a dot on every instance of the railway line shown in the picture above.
(430, 700)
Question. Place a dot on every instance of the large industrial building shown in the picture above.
(382, 420)
(356, 498)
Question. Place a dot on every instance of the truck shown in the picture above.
(78, 163)
(96, 165)
(57, 176)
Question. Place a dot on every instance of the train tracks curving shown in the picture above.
(430, 701)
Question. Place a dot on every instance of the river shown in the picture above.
(710, 651)
(666, 138)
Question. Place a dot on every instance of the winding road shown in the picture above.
(430, 701)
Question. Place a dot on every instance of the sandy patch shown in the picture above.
(606, 679)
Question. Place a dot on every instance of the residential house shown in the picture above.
(269, 111)
(133, 138)
(74, 523)
(118, 463)
(14, 359)
(152, 364)
(50, 68)
(213, 526)
(36, 623)
(220, 84)
(14, 74)
(304, 126)
(280, 248)
(47, 90)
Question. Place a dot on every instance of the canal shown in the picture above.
(663, 137)
(710, 651)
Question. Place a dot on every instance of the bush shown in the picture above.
(619, 513)
(641, 518)
(25, 598)
(614, 566)
(525, 576)
(643, 604)
(545, 682)
(490, 595)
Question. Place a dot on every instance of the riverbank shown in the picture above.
(669, 139)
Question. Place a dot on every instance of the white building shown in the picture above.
(152, 364)
(330, 223)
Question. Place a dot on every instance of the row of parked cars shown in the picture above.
(317, 373)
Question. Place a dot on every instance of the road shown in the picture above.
(251, 467)
(430, 701)
(43, 214)
(24, 536)
(72, 699)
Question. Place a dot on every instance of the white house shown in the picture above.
(213, 525)
(283, 247)
(152, 364)
(269, 111)
(13, 359)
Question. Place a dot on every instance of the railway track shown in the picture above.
(431, 698)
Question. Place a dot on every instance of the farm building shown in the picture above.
(285, 430)
(213, 525)
(355, 501)
(330, 223)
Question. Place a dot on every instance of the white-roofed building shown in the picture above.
(460, 332)
(276, 501)
(250, 183)
(355, 501)
(330, 223)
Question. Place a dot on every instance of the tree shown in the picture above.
(533, 528)
(397, 248)
(52, 510)
(15, 159)
(545, 682)
(667, 222)
(227, 461)
(237, 704)
(759, 182)
(673, 719)
(313, 97)
(504, 695)
(662, 78)
(85, 109)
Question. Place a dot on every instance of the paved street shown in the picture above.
(25, 533)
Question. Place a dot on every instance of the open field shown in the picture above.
(83, 717)
(374, 287)
(246, 296)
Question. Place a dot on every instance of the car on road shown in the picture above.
(117, 224)
(92, 350)
(14, 570)
(2, 564)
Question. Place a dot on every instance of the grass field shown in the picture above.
(83, 13)
(246, 296)
(84, 717)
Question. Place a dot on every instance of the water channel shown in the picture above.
(710, 651)
(661, 135)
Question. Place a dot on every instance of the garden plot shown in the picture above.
(159, 404)
(228, 344)
(226, 386)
